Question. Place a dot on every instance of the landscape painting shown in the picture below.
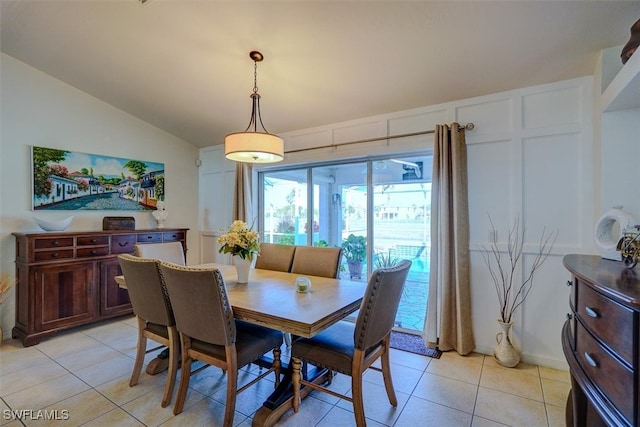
(68, 180)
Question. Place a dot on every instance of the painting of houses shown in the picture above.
(66, 180)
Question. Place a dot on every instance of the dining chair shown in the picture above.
(351, 348)
(316, 261)
(151, 305)
(209, 333)
(170, 251)
(275, 257)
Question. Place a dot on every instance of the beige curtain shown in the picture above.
(242, 208)
(448, 321)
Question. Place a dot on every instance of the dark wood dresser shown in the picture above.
(600, 340)
(66, 279)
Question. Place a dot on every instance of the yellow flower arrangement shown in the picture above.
(6, 283)
(240, 240)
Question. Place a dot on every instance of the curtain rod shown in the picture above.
(468, 126)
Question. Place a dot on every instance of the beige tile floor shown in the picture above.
(83, 375)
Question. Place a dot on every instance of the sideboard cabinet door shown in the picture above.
(66, 295)
(114, 300)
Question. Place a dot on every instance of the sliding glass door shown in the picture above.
(381, 205)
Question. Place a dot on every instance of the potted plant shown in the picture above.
(242, 242)
(513, 281)
(354, 249)
(6, 283)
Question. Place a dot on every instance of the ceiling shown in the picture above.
(184, 66)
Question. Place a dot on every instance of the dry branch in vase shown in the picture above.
(503, 266)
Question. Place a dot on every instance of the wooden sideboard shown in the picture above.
(600, 340)
(66, 279)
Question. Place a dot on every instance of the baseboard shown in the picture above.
(531, 359)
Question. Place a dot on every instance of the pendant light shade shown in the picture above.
(252, 145)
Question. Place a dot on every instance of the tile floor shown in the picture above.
(83, 374)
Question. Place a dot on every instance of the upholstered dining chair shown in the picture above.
(352, 348)
(316, 261)
(209, 333)
(279, 258)
(169, 251)
(152, 308)
(275, 257)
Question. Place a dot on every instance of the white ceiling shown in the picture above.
(184, 66)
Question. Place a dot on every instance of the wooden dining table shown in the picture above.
(270, 299)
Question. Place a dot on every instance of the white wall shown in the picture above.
(37, 109)
(531, 155)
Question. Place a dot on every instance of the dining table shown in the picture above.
(271, 299)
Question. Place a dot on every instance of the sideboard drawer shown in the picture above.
(53, 255)
(122, 243)
(610, 321)
(150, 237)
(53, 242)
(88, 252)
(611, 376)
(92, 240)
(173, 236)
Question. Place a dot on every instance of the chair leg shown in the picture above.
(174, 349)
(184, 382)
(287, 339)
(386, 373)
(295, 379)
(230, 406)
(140, 353)
(356, 395)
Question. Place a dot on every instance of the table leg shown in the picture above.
(281, 400)
(159, 364)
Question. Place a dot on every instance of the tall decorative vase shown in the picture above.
(242, 267)
(505, 353)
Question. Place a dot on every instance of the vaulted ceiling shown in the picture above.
(184, 66)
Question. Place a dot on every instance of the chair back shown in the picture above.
(147, 292)
(380, 304)
(200, 303)
(275, 257)
(171, 252)
(316, 261)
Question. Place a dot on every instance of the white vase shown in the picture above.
(506, 354)
(242, 267)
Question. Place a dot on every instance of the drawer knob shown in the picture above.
(93, 252)
(55, 255)
(590, 360)
(93, 240)
(123, 244)
(55, 243)
(569, 283)
(591, 312)
(149, 237)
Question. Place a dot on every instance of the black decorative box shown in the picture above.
(118, 223)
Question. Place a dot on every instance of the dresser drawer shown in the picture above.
(613, 378)
(88, 252)
(53, 255)
(92, 240)
(610, 322)
(53, 242)
(173, 236)
(122, 243)
(150, 237)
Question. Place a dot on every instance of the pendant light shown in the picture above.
(253, 145)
